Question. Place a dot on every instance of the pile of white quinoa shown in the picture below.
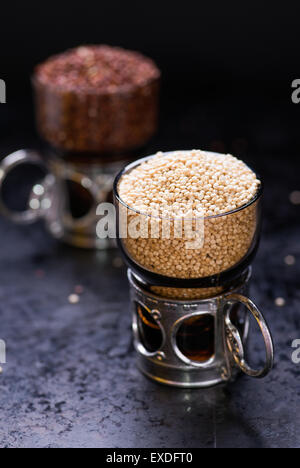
(196, 184)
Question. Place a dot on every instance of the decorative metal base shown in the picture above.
(66, 198)
(184, 378)
(191, 344)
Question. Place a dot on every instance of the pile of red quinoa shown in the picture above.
(97, 99)
(97, 68)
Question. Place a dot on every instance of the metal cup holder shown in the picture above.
(197, 343)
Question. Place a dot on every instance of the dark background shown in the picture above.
(71, 379)
(227, 66)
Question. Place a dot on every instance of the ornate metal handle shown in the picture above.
(8, 164)
(48, 192)
(234, 341)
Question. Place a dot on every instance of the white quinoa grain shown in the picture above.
(295, 197)
(204, 185)
(74, 299)
(280, 302)
(290, 260)
(235, 182)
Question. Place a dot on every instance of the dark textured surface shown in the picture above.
(70, 378)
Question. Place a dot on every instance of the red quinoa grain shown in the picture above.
(97, 99)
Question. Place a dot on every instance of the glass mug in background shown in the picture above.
(93, 123)
(66, 197)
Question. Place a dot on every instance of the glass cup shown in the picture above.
(189, 283)
(207, 252)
